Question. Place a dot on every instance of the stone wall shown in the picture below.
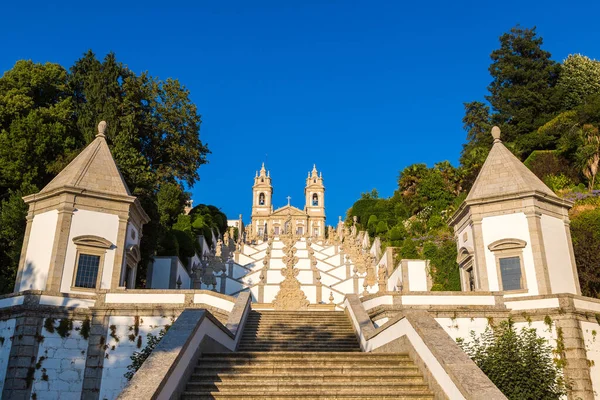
(7, 329)
(60, 362)
(120, 344)
(591, 338)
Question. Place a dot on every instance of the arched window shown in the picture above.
(315, 200)
(261, 199)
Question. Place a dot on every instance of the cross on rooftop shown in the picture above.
(289, 198)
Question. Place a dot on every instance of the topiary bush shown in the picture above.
(520, 363)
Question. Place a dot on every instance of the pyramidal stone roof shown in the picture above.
(503, 174)
(94, 169)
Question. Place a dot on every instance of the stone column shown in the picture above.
(534, 222)
(572, 255)
(480, 264)
(119, 252)
(23, 357)
(94, 362)
(61, 241)
(576, 370)
(24, 251)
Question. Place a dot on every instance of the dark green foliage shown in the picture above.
(49, 325)
(442, 261)
(64, 328)
(548, 162)
(585, 232)
(519, 363)
(48, 114)
(85, 328)
(409, 250)
(522, 93)
(138, 357)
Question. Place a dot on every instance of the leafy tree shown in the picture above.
(579, 78)
(585, 232)
(519, 363)
(373, 194)
(48, 114)
(523, 91)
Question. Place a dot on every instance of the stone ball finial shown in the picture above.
(101, 129)
(496, 133)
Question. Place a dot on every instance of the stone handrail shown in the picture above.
(165, 372)
(452, 374)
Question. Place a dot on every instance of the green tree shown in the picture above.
(579, 78)
(520, 363)
(523, 91)
(479, 141)
(585, 231)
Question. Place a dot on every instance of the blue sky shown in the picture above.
(360, 88)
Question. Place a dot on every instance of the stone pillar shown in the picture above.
(572, 255)
(119, 252)
(94, 363)
(223, 281)
(23, 357)
(59, 248)
(576, 370)
(480, 264)
(534, 222)
(23, 251)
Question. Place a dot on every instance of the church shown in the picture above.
(309, 221)
(288, 308)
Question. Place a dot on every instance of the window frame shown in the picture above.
(509, 248)
(91, 251)
(93, 246)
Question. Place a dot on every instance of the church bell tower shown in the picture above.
(262, 195)
(314, 193)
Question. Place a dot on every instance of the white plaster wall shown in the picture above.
(396, 275)
(462, 327)
(118, 353)
(91, 223)
(558, 257)
(62, 365)
(417, 275)
(7, 329)
(133, 235)
(186, 281)
(12, 301)
(39, 251)
(461, 242)
(504, 227)
(591, 339)
(161, 273)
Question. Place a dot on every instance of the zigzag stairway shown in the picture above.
(304, 355)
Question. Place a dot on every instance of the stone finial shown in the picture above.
(101, 129)
(496, 134)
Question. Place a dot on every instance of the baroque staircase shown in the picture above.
(304, 355)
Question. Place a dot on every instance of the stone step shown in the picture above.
(298, 349)
(308, 356)
(295, 386)
(357, 392)
(304, 395)
(382, 377)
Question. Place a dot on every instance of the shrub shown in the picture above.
(519, 363)
(138, 357)
(557, 182)
(382, 227)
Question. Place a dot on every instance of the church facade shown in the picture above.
(288, 219)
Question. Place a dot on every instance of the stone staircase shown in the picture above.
(304, 355)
